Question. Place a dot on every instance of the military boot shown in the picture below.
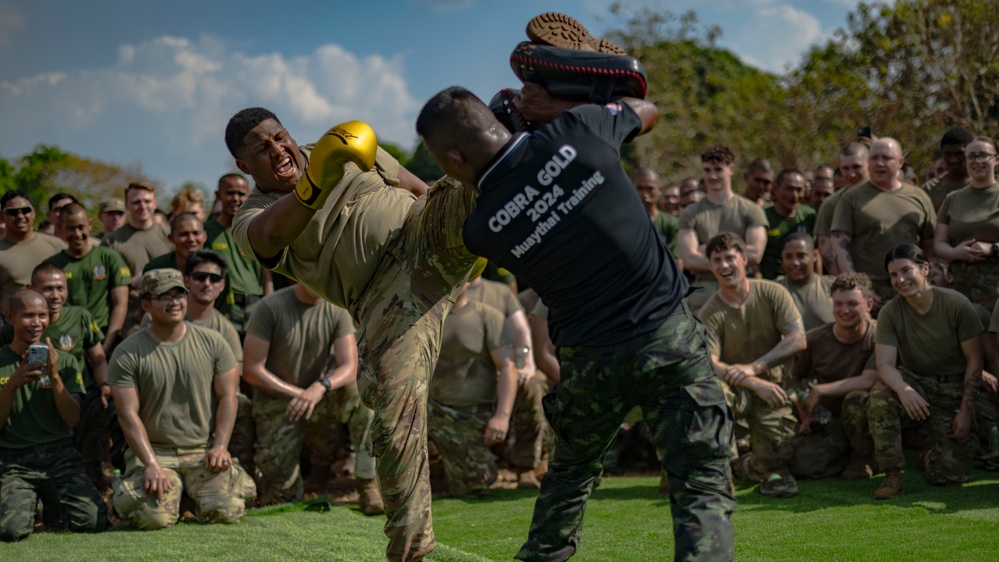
(891, 488)
(370, 497)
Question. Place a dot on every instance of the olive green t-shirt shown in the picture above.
(18, 260)
(217, 322)
(743, 335)
(971, 213)
(244, 269)
(90, 279)
(823, 219)
(301, 335)
(827, 359)
(930, 344)
(813, 299)
(939, 188)
(878, 221)
(169, 261)
(707, 220)
(778, 229)
(994, 320)
(466, 375)
(139, 246)
(175, 383)
(74, 332)
(667, 226)
(34, 417)
(496, 295)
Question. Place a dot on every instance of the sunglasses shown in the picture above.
(13, 212)
(202, 276)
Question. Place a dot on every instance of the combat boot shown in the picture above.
(858, 469)
(891, 488)
(370, 497)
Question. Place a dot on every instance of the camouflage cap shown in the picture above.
(159, 281)
(112, 205)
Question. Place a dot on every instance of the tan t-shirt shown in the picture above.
(930, 345)
(494, 294)
(174, 382)
(139, 246)
(465, 375)
(971, 213)
(823, 220)
(301, 335)
(939, 188)
(334, 234)
(878, 221)
(813, 299)
(707, 220)
(743, 335)
(217, 322)
(18, 260)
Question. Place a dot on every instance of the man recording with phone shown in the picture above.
(40, 391)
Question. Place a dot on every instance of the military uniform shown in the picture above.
(396, 263)
(175, 386)
(813, 299)
(973, 214)
(18, 260)
(139, 246)
(89, 280)
(37, 457)
(940, 187)
(779, 228)
(169, 261)
(668, 226)
(244, 274)
(932, 363)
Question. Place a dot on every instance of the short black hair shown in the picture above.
(441, 108)
(241, 123)
(71, 209)
(784, 174)
(956, 135)
(61, 196)
(799, 237)
(12, 194)
(231, 176)
(725, 241)
(203, 255)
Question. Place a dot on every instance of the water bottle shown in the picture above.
(116, 477)
(994, 439)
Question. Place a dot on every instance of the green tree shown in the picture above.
(423, 166)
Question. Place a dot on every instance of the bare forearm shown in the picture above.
(260, 377)
(225, 419)
(841, 246)
(506, 389)
(116, 317)
(267, 281)
(342, 375)
(845, 386)
(138, 439)
(829, 264)
(6, 403)
(790, 345)
(278, 225)
(67, 404)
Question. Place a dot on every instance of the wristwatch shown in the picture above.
(326, 384)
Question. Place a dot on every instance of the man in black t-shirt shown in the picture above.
(557, 210)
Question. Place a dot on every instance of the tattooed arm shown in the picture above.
(972, 350)
(841, 249)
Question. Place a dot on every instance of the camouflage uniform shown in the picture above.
(219, 497)
(669, 374)
(54, 471)
(279, 441)
(986, 414)
(530, 429)
(827, 451)
(469, 464)
(244, 433)
(949, 460)
(771, 432)
(977, 281)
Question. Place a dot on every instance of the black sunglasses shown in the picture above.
(13, 212)
(202, 276)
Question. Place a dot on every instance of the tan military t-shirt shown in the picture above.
(707, 220)
(823, 220)
(743, 335)
(333, 235)
(878, 221)
(930, 345)
(174, 382)
(301, 335)
(813, 299)
(139, 246)
(939, 188)
(971, 213)
(18, 260)
(465, 375)
(219, 323)
(496, 295)
(827, 359)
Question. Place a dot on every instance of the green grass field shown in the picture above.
(625, 520)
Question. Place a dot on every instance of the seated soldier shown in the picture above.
(929, 360)
(301, 358)
(39, 405)
(809, 290)
(471, 395)
(754, 329)
(164, 380)
(838, 368)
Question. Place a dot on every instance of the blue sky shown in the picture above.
(154, 83)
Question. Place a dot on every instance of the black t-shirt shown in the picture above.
(558, 211)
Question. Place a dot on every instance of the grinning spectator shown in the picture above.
(759, 179)
(21, 249)
(141, 239)
(809, 290)
(649, 187)
(853, 171)
(952, 153)
(787, 215)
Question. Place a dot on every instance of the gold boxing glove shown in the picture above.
(353, 141)
(477, 268)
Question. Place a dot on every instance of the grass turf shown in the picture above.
(625, 520)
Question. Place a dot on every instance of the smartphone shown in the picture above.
(865, 132)
(38, 355)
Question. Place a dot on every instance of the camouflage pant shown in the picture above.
(528, 424)
(827, 451)
(219, 497)
(97, 423)
(279, 441)
(986, 415)
(977, 281)
(469, 464)
(771, 433)
(668, 373)
(949, 461)
(55, 473)
(243, 438)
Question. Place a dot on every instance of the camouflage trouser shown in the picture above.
(458, 434)
(977, 281)
(949, 461)
(219, 497)
(280, 441)
(668, 373)
(243, 438)
(96, 424)
(827, 451)
(528, 424)
(54, 472)
(986, 415)
(771, 433)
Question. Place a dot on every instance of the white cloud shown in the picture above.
(774, 37)
(165, 103)
(12, 21)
